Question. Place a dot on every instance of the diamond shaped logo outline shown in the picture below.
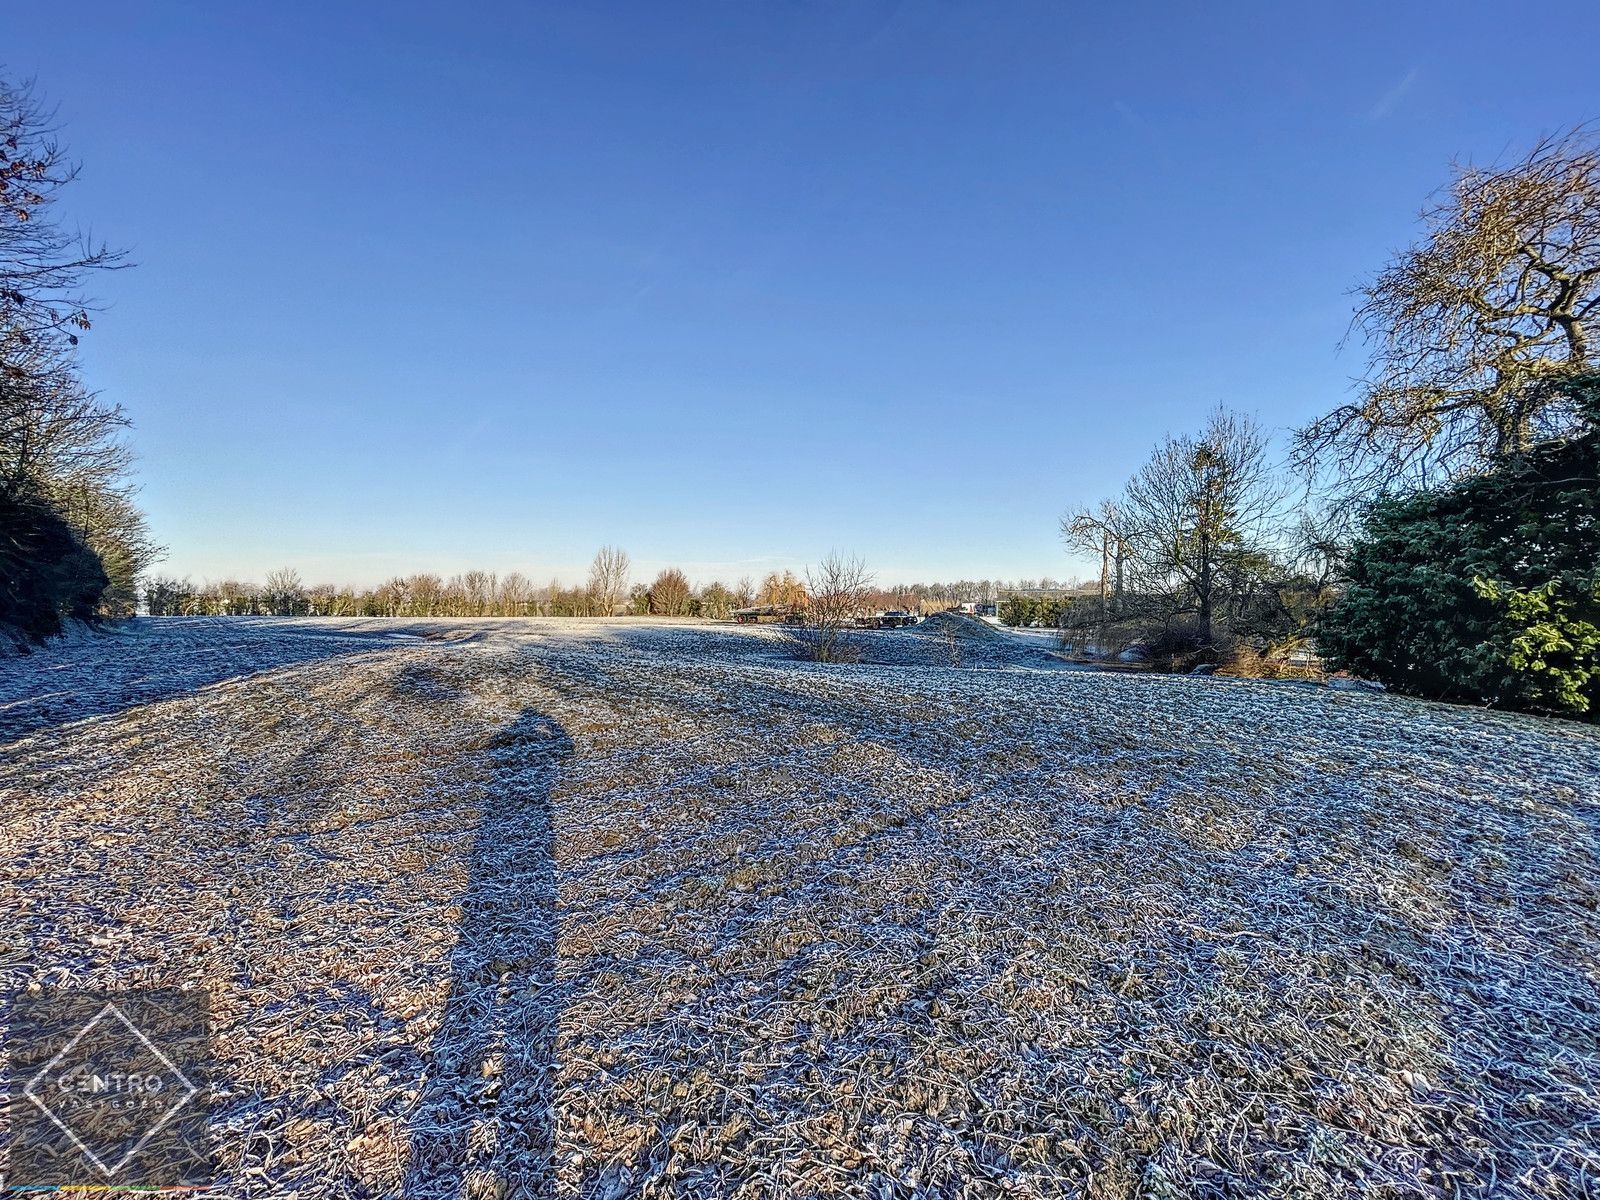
(190, 1091)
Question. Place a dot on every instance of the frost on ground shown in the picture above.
(609, 909)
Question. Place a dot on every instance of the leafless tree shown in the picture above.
(836, 591)
(951, 640)
(285, 594)
(608, 579)
(103, 513)
(478, 590)
(61, 462)
(51, 429)
(424, 595)
(670, 593)
(42, 264)
(515, 598)
(1196, 501)
(1468, 327)
(1101, 532)
(392, 596)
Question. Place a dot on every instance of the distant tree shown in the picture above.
(425, 595)
(230, 598)
(393, 597)
(608, 579)
(744, 592)
(569, 602)
(161, 595)
(716, 602)
(515, 597)
(285, 593)
(478, 590)
(1470, 328)
(1101, 533)
(836, 592)
(343, 602)
(1017, 610)
(670, 593)
(782, 588)
(1197, 501)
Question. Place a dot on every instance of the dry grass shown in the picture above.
(660, 914)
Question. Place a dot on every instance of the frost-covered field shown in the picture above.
(656, 911)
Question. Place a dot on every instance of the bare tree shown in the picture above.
(1198, 500)
(670, 594)
(42, 264)
(285, 594)
(951, 641)
(54, 431)
(836, 591)
(478, 590)
(425, 595)
(393, 596)
(70, 533)
(1468, 327)
(515, 598)
(608, 579)
(1101, 532)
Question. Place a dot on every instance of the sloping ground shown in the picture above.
(612, 910)
(955, 639)
(959, 625)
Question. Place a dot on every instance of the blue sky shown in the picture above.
(729, 285)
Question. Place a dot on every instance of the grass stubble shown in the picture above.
(606, 911)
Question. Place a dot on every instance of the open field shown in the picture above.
(603, 909)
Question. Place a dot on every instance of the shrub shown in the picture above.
(1246, 662)
(1178, 646)
(47, 572)
(1554, 640)
(1485, 590)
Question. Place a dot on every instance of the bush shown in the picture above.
(1554, 640)
(47, 573)
(836, 592)
(1244, 661)
(1178, 647)
(1488, 590)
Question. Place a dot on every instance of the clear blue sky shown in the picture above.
(440, 286)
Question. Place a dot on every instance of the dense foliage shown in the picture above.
(1045, 612)
(47, 572)
(1486, 590)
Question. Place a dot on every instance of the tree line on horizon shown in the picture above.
(608, 591)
